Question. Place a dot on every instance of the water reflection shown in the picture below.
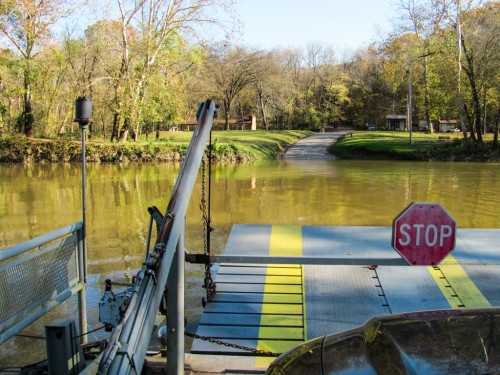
(38, 198)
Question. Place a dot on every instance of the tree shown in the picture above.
(396, 54)
(423, 17)
(231, 70)
(264, 86)
(481, 47)
(150, 29)
(26, 24)
(286, 87)
(11, 89)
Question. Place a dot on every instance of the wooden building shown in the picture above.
(396, 122)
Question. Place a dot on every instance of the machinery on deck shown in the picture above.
(131, 313)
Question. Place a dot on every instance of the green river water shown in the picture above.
(38, 198)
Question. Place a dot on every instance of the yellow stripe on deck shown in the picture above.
(282, 324)
(283, 289)
(458, 289)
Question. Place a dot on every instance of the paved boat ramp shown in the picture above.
(275, 307)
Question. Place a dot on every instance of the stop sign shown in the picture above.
(424, 233)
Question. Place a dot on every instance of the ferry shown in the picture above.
(421, 297)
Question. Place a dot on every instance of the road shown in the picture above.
(313, 147)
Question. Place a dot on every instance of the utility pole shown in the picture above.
(409, 109)
(459, 88)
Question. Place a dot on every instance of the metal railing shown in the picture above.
(38, 275)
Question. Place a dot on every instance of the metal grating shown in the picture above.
(410, 289)
(37, 276)
(249, 238)
(339, 298)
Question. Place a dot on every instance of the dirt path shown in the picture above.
(313, 147)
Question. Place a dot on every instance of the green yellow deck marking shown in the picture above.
(282, 324)
(458, 289)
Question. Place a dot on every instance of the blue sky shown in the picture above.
(342, 24)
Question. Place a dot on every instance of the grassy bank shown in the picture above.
(428, 147)
(171, 146)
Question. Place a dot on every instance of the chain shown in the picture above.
(208, 284)
(231, 345)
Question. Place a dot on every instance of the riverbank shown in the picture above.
(171, 146)
(424, 147)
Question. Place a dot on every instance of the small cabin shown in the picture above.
(447, 126)
(396, 122)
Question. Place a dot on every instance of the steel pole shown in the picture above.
(127, 347)
(82, 297)
(175, 311)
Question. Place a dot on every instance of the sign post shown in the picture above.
(424, 234)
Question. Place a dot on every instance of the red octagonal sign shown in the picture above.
(424, 233)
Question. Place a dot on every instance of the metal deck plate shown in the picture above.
(277, 307)
(339, 298)
(410, 289)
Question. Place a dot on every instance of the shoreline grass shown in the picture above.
(424, 147)
(171, 146)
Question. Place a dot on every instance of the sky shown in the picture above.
(341, 24)
(345, 25)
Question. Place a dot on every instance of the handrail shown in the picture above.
(39, 241)
(30, 307)
(127, 348)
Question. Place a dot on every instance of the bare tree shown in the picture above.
(231, 71)
(265, 85)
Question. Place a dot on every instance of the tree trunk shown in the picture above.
(10, 121)
(262, 107)
(426, 97)
(470, 120)
(125, 130)
(114, 132)
(227, 109)
(495, 145)
(471, 75)
(27, 111)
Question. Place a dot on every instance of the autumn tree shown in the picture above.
(368, 91)
(481, 47)
(422, 18)
(26, 24)
(152, 36)
(10, 89)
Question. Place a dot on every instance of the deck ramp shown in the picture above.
(276, 307)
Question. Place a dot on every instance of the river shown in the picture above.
(38, 198)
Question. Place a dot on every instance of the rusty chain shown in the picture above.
(208, 283)
(231, 345)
